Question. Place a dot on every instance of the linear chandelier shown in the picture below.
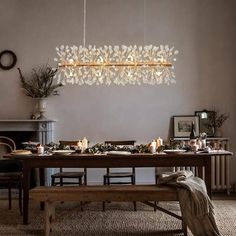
(119, 65)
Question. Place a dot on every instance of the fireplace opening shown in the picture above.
(20, 136)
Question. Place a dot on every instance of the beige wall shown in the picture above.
(202, 30)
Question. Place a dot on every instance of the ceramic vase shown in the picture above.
(41, 108)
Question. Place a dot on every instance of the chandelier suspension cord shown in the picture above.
(84, 26)
(144, 22)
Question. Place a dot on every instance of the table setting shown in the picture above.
(156, 146)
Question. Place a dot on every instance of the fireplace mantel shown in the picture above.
(43, 128)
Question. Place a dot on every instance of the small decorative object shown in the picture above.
(40, 86)
(216, 122)
(202, 140)
(205, 125)
(183, 125)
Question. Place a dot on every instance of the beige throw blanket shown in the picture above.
(197, 209)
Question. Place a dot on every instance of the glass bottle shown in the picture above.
(193, 139)
(193, 132)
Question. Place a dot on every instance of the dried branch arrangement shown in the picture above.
(41, 82)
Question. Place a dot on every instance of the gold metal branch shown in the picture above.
(116, 64)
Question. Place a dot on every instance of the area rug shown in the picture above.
(119, 219)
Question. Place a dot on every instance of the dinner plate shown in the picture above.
(119, 152)
(63, 152)
(174, 151)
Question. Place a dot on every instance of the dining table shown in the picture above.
(43, 161)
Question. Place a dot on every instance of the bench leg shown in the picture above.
(20, 198)
(155, 207)
(103, 206)
(184, 228)
(103, 203)
(49, 216)
(9, 196)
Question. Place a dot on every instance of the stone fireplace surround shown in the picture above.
(34, 130)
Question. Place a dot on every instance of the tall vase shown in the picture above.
(41, 108)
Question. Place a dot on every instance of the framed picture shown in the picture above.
(183, 125)
(206, 122)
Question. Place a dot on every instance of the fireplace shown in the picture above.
(27, 130)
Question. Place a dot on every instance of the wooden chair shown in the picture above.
(9, 141)
(60, 177)
(66, 177)
(10, 171)
(111, 176)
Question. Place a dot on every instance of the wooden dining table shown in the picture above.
(200, 160)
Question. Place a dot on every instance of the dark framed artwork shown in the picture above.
(183, 125)
(206, 122)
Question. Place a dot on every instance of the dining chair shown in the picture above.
(9, 141)
(68, 177)
(10, 171)
(114, 177)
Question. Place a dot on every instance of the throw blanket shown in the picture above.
(196, 207)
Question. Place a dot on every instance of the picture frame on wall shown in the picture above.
(206, 122)
(182, 126)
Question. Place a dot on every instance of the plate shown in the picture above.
(31, 143)
(174, 151)
(119, 153)
(63, 152)
(21, 152)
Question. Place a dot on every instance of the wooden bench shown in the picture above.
(121, 193)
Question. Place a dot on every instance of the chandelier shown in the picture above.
(119, 65)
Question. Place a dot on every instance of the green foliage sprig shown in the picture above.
(41, 83)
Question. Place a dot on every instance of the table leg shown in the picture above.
(208, 177)
(26, 185)
(42, 183)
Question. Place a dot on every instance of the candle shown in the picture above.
(159, 142)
